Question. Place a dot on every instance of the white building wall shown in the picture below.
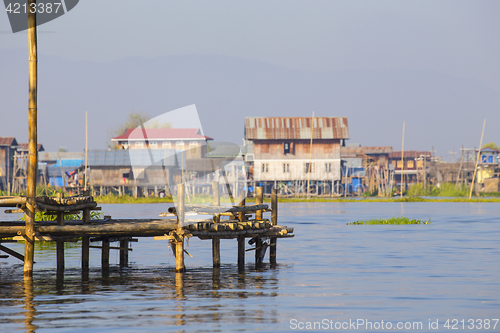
(271, 170)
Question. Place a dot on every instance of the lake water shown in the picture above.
(331, 273)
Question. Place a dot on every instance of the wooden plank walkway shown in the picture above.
(242, 222)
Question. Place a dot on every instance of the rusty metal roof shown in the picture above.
(282, 128)
(410, 154)
(25, 147)
(360, 151)
(8, 141)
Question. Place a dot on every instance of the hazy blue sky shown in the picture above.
(458, 39)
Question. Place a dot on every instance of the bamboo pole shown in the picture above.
(86, 152)
(477, 160)
(402, 160)
(310, 156)
(29, 249)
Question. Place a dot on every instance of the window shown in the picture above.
(309, 167)
(287, 147)
(167, 145)
(139, 145)
(153, 145)
(399, 164)
(265, 167)
(193, 148)
(286, 167)
(328, 167)
(410, 164)
(179, 145)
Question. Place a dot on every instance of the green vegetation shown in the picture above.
(394, 220)
(444, 190)
(42, 216)
(127, 199)
(492, 145)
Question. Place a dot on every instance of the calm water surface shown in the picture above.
(330, 271)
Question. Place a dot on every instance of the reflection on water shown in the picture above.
(330, 270)
(127, 297)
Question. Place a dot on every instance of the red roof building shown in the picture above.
(188, 139)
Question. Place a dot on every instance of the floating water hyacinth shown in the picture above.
(394, 220)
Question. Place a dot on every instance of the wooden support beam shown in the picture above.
(258, 247)
(12, 252)
(216, 251)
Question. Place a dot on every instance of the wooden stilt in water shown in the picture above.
(274, 221)
(179, 246)
(60, 242)
(272, 250)
(241, 252)
(216, 251)
(259, 196)
(258, 250)
(85, 241)
(29, 248)
(105, 254)
(124, 253)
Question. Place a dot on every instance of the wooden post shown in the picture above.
(241, 252)
(216, 199)
(258, 249)
(241, 202)
(124, 253)
(215, 239)
(60, 242)
(272, 250)
(105, 254)
(29, 247)
(259, 196)
(274, 221)
(274, 207)
(85, 241)
(216, 251)
(179, 246)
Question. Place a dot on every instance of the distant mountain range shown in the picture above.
(440, 110)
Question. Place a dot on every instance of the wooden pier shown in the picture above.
(241, 222)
